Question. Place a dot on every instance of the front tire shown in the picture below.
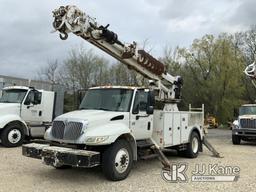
(236, 140)
(12, 135)
(117, 160)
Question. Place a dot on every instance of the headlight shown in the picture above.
(96, 139)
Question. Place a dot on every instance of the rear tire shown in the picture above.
(12, 135)
(236, 140)
(192, 147)
(117, 160)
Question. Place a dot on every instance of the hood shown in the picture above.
(9, 108)
(92, 117)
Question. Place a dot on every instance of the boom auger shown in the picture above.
(70, 19)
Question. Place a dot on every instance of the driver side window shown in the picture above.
(33, 98)
(141, 100)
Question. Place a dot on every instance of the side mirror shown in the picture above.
(37, 98)
(135, 109)
(151, 102)
(236, 112)
(27, 102)
(150, 110)
(151, 98)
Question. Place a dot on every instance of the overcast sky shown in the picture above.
(27, 44)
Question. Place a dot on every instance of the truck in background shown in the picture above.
(244, 128)
(26, 112)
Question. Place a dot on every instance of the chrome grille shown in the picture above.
(73, 130)
(58, 128)
(66, 130)
(248, 123)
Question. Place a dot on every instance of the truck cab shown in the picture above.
(24, 112)
(104, 114)
(245, 127)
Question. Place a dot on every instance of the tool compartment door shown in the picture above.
(176, 129)
(185, 129)
(172, 129)
(168, 129)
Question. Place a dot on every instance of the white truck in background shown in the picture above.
(117, 125)
(25, 113)
(244, 128)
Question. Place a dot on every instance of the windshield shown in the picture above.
(13, 95)
(107, 99)
(248, 110)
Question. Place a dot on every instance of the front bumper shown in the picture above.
(244, 132)
(58, 156)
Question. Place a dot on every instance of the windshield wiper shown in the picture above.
(5, 102)
(101, 108)
(104, 109)
(84, 108)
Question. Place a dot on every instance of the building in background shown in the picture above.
(6, 81)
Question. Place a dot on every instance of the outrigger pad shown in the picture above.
(57, 156)
(215, 153)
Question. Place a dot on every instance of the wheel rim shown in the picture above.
(195, 145)
(122, 160)
(14, 136)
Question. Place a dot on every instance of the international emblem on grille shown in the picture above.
(66, 130)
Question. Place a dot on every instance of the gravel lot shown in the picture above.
(19, 173)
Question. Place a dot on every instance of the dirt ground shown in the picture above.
(18, 173)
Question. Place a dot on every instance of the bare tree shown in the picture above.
(49, 72)
(249, 44)
(171, 60)
(83, 69)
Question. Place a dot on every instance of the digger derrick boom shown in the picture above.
(70, 19)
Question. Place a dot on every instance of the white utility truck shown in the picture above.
(117, 125)
(244, 128)
(25, 112)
